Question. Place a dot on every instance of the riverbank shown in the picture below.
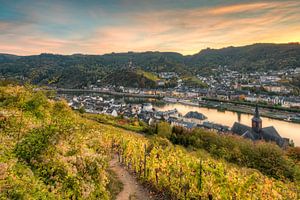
(238, 108)
(228, 118)
(279, 108)
(138, 95)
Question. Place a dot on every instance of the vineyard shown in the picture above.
(47, 151)
(183, 176)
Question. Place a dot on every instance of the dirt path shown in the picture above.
(132, 190)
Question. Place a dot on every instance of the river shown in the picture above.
(285, 129)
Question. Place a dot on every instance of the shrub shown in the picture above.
(164, 129)
(34, 143)
(266, 157)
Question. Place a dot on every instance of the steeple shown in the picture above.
(256, 113)
(256, 121)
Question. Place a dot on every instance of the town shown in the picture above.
(151, 115)
(225, 90)
(270, 88)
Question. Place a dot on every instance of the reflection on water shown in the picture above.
(285, 129)
(239, 117)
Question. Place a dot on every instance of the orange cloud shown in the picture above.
(184, 30)
(237, 8)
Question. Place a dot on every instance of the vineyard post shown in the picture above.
(156, 176)
(119, 154)
(180, 179)
(145, 160)
(200, 177)
(122, 151)
(112, 146)
(140, 166)
(186, 189)
(234, 197)
(133, 164)
(129, 163)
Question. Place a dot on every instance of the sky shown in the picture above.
(30, 27)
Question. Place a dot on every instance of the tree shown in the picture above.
(164, 129)
(81, 110)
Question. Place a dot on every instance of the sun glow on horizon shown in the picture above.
(97, 27)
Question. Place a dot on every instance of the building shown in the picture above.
(256, 132)
(160, 83)
(214, 126)
(147, 107)
(186, 125)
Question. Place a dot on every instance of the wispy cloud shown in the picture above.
(67, 30)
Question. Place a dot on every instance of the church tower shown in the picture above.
(256, 121)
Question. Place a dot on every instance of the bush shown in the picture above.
(266, 157)
(34, 143)
(164, 129)
(36, 104)
(294, 153)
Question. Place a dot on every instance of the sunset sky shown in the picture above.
(104, 26)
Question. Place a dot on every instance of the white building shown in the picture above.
(147, 107)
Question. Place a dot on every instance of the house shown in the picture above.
(187, 125)
(269, 79)
(114, 113)
(292, 102)
(251, 98)
(167, 75)
(274, 88)
(256, 132)
(147, 107)
(214, 126)
(160, 83)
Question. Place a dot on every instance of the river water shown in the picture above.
(285, 129)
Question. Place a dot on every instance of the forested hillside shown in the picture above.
(251, 57)
(48, 151)
(76, 71)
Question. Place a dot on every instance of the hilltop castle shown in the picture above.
(256, 132)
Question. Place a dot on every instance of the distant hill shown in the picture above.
(79, 70)
(251, 57)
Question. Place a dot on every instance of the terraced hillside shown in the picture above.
(47, 151)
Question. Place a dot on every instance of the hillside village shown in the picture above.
(147, 113)
(265, 87)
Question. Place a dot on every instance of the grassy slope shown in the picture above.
(45, 153)
(193, 81)
(72, 160)
(148, 75)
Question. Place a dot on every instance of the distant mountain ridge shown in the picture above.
(251, 57)
(79, 70)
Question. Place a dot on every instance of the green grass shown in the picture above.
(193, 81)
(149, 75)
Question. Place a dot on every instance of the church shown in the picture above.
(256, 132)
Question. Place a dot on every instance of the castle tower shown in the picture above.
(256, 121)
